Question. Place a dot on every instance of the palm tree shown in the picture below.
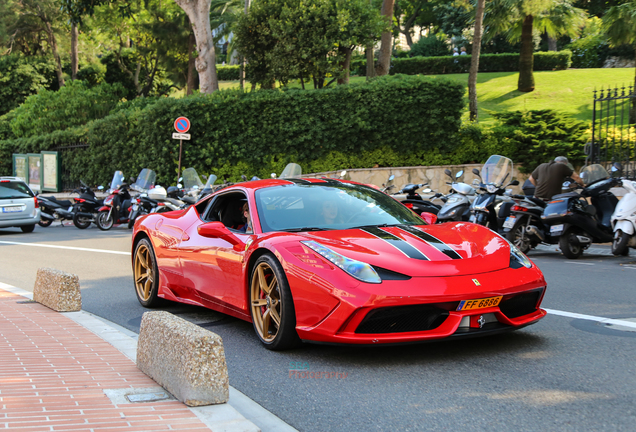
(519, 18)
(619, 24)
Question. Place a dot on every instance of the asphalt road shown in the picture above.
(563, 373)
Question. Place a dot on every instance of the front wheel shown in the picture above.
(104, 221)
(619, 245)
(81, 222)
(271, 305)
(519, 236)
(570, 245)
(45, 222)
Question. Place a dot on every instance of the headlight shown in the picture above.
(357, 269)
(517, 255)
(491, 188)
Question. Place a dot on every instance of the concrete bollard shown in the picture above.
(58, 290)
(183, 358)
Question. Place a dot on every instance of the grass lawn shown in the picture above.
(568, 91)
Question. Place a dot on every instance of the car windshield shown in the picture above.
(496, 170)
(593, 173)
(317, 206)
(14, 190)
(145, 180)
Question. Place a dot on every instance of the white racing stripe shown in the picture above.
(66, 247)
(592, 318)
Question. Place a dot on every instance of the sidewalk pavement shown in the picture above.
(63, 372)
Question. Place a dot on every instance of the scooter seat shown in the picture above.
(566, 195)
(64, 203)
(538, 201)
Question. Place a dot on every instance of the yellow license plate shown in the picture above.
(479, 303)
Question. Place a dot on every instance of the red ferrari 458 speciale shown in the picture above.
(334, 261)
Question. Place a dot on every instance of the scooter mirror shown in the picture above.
(448, 172)
(180, 179)
(513, 183)
(100, 188)
(427, 190)
(475, 171)
(343, 173)
(459, 173)
(179, 185)
(391, 177)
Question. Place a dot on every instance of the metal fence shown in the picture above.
(65, 152)
(613, 133)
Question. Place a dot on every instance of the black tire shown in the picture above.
(146, 275)
(27, 228)
(518, 235)
(619, 245)
(131, 219)
(104, 222)
(45, 222)
(570, 245)
(81, 222)
(275, 305)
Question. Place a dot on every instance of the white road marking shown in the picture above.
(592, 318)
(571, 262)
(66, 247)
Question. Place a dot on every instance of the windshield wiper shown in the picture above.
(384, 225)
(304, 229)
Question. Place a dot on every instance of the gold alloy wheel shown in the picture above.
(266, 304)
(143, 272)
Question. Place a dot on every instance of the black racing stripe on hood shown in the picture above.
(433, 241)
(397, 243)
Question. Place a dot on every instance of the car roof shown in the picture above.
(265, 183)
(12, 178)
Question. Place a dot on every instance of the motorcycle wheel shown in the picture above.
(81, 222)
(519, 237)
(45, 222)
(619, 245)
(104, 222)
(131, 220)
(570, 245)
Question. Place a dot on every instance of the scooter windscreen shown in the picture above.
(497, 170)
(118, 180)
(593, 173)
(145, 180)
(191, 179)
(291, 170)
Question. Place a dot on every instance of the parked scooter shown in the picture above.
(415, 202)
(624, 221)
(573, 223)
(492, 206)
(524, 227)
(52, 209)
(457, 203)
(86, 207)
(117, 205)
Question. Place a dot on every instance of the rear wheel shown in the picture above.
(104, 222)
(81, 222)
(619, 245)
(570, 245)
(27, 228)
(45, 222)
(271, 305)
(146, 274)
(519, 236)
(131, 219)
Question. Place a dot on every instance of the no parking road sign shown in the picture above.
(182, 125)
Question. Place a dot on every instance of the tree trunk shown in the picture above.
(346, 66)
(56, 55)
(370, 62)
(191, 59)
(384, 57)
(552, 44)
(632, 113)
(474, 62)
(198, 12)
(243, 61)
(74, 51)
(526, 58)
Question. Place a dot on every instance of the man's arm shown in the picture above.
(532, 180)
(577, 179)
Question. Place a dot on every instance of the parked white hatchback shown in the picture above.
(18, 205)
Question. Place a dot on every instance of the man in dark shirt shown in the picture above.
(548, 177)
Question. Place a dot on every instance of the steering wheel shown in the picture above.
(353, 217)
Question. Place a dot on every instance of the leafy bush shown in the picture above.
(227, 73)
(93, 74)
(431, 45)
(21, 77)
(74, 104)
(257, 133)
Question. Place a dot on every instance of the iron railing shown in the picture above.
(68, 182)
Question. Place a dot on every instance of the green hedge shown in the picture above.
(235, 133)
(461, 64)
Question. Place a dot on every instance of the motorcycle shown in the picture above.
(575, 224)
(492, 206)
(524, 227)
(86, 207)
(52, 209)
(624, 221)
(457, 203)
(415, 202)
(117, 205)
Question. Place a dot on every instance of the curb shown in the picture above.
(239, 414)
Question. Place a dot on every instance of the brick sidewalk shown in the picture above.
(53, 373)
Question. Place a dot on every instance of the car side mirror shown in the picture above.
(218, 230)
(429, 218)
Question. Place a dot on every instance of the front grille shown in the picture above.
(520, 304)
(402, 319)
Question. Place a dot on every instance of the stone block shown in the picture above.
(183, 358)
(58, 290)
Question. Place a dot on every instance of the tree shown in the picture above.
(619, 24)
(474, 61)
(518, 18)
(386, 46)
(198, 12)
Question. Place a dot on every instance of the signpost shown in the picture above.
(181, 125)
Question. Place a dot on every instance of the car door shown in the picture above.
(214, 266)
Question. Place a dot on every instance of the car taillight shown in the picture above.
(518, 208)
(5, 181)
(35, 200)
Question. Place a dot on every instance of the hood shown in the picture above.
(449, 249)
